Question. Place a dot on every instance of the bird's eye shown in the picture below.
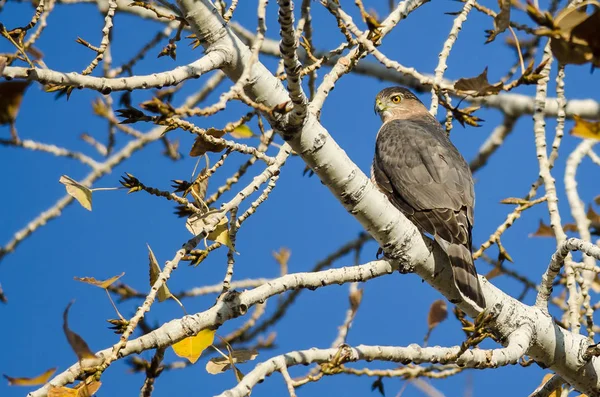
(396, 99)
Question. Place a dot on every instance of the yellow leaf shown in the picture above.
(221, 234)
(38, 380)
(163, 292)
(193, 346)
(218, 365)
(79, 192)
(99, 283)
(242, 131)
(77, 343)
(586, 129)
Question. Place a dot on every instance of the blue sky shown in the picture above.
(300, 214)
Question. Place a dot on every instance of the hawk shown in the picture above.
(426, 178)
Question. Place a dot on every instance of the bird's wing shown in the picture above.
(426, 177)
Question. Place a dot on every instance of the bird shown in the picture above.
(424, 175)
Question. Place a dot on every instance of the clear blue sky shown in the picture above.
(300, 214)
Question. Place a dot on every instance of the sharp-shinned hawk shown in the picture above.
(426, 178)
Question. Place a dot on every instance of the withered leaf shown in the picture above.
(585, 129)
(593, 217)
(38, 380)
(202, 146)
(83, 389)
(478, 86)
(104, 284)
(575, 36)
(163, 292)
(197, 222)
(501, 20)
(543, 231)
(79, 192)
(438, 312)
(11, 96)
(79, 346)
(221, 364)
(554, 393)
(495, 272)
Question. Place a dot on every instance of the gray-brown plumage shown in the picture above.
(426, 178)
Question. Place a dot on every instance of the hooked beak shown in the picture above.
(379, 107)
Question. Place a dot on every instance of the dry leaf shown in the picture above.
(38, 380)
(478, 86)
(11, 95)
(79, 192)
(163, 292)
(196, 223)
(81, 390)
(585, 129)
(495, 272)
(218, 365)
(193, 346)
(221, 234)
(501, 20)
(592, 215)
(437, 313)
(201, 146)
(99, 283)
(242, 131)
(77, 343)
(543, 231)
(578, 41)
(282, 256)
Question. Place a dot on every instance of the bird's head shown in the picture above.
(397, 103)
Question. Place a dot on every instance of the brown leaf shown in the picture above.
(221, 364)
(199, 188)
(11, 95)
(79, 346)
(575, 38)
(437, 313)
(585, 129)
(501, 20)
(495, 272)
(201, 146)
(38, 380)
(478, 86)
(543, 231)
(83, 389)
(99, 283)
(570, 227)
(163, 292)
(593, 217)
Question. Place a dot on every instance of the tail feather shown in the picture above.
(463, 269)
